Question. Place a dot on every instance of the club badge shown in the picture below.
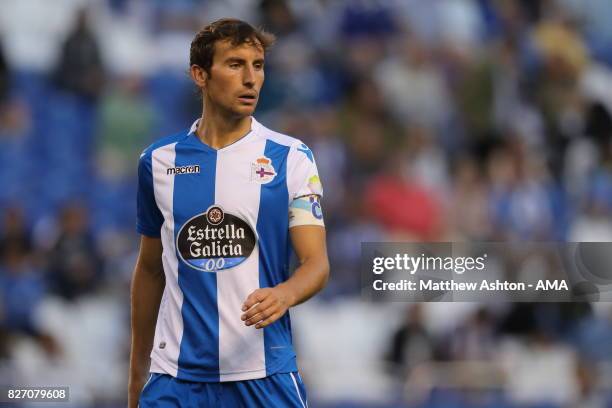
(262, 170)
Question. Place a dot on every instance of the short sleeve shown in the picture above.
(303, 176)
(149, 218)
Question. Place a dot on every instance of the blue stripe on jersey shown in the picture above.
(274, 249)
(149, 219)
(193, 194)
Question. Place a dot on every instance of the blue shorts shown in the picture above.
(283, 390)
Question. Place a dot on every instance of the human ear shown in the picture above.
(199, 75)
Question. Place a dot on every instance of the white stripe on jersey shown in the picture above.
(241, 348)
(169, 330)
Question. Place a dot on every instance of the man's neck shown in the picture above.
(219, 131)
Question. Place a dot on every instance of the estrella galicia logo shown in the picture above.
(215, 240)
(215, 215)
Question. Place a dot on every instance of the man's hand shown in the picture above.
(266, 305)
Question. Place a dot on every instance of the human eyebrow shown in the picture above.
(242, 61)
(233, 60)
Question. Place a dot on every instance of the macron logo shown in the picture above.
(184, 169)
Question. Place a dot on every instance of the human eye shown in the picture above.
(234, 64)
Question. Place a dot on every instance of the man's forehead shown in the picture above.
(225, 48)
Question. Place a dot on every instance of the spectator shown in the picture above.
(126, 124)
(410, 345)
(80, 69)
(475, 339)
(403, 206)
(413, 85)
(22, 290)
(75, 266)
(14, 229)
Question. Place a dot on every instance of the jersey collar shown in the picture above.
(255, 125)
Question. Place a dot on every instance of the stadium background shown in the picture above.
(430, 120)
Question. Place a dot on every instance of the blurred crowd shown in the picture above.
(446, 120)
(525, 355)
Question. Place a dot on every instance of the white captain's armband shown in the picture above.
(306, 210)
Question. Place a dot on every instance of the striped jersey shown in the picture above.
(222, 216)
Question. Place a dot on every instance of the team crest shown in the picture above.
(262, 170)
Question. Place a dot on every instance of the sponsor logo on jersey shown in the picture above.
(314, 183)
(215, 240)
(262, 170)
(304, 149)
(192, 168)
(215, 215)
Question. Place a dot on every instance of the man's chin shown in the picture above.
(244, 111)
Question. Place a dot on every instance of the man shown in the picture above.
(218, 206)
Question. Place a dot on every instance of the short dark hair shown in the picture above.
(237, 31)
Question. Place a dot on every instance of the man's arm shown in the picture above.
(147, 288)
(266, 305)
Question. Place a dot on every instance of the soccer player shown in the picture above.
(219, 206)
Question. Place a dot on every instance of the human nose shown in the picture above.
(248, 77)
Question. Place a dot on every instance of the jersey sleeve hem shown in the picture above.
(308, 194)
(148, 231)
(302, 223)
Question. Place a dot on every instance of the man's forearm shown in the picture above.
(147, 290)
(264, 306)
(307, 280)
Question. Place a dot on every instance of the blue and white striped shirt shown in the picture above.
(222, 216)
